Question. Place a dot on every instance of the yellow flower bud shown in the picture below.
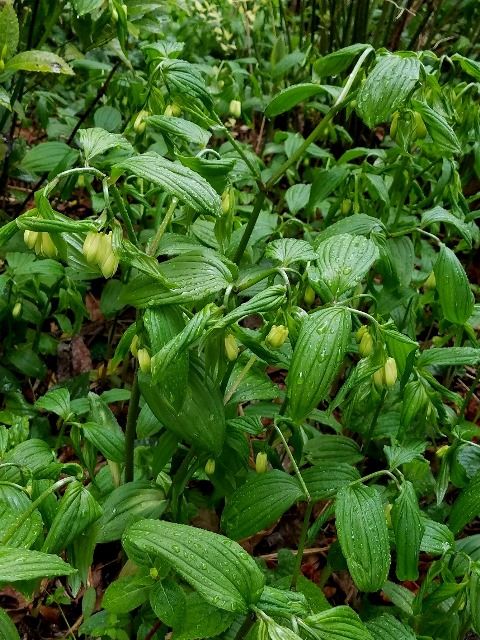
(227, 200)
(420, 128)
(365, 347)
(107, 260)
(30, 238)
(309, 295)
(144, 360)
(48, 248)
(231, 347)
(153, 573)
(134, 346)
(361, 332)
(2, 65)
(388, 514)
(235, 108)
(430, 282)
(276, 336)
(346, 206)
(139, 123)
(394, 125)
(379, 378)
(17, 310)
(261, 462)
(91, 246)
(210, 467)
(442, 451)
(390, 372)
(109, 266)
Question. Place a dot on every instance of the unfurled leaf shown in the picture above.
(287, 251)
(85, 6)
(201, 620)
(291, 96)
(398, 454)
(449, 357)
(439, 214)
(325, 479)
(168, 601)
(363, 535)
(22, 564)
(386, 627)
(453, 287)
(181, 128)
(96, 141)
(179, 181)
(334, 63)
(387, 87)
(9, 31)
(324, 448)
(184, 82)
(57, 401)
(205, 560)
(321, 346)
(438, 128)
(8, 631)
(467, 506)
(127, 593)
(338, 623)
(437, 537)
(38, 61)
(408, 528)
(46, 156)
(259, 502)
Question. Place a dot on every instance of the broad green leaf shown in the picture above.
(85, 6)
(398, 454)
(22, 564)
(201, 620)
(291, 96)
(472, 67)
(34, 455)
(111, 444)
(203, 559)
(215, 171)
(325, 183)
(57, 401)
(288, 251)
(324, 480)
(456, 298)
(275, 631)
(108, 118)
(400, 347)
(47, 155)
(474, 597)
(5, 98)
(38, 61)
(338, 623)
(408, 528)
(334, 63)
(76, 510)
(449, 357)
(386, 627)
(127, 504)
(321, 346)
(438, 128)
(324, 448)
(344, 260)
(358, 224)
(387, 87)
(177, 180)
(181, 128)
(127, 593)
(439, 214)
(9, 31)
(8, 631)
(13, 504)
(467, 506)
(96, 141)
(297, 197)
(259, 502)
(184, 82)
(363, 535)
(282, 602)
(400, 596)
(168, 601)
(437, 537)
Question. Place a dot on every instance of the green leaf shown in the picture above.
(398, 454)
(408, 528)
(276, 631)
(467, 506)
(325, 183)
(184, 82)
(438, 128)
(34, 455)
(127, 504)
(5, 99)
(449, 357)
(168, 601)
(386, 627)
(474, 597)
(282, 602)
(324, 448)
(297, 197)
(344, 260)
(288, 251)
(76, 511)
(400, 596)
(38, 61)
(13, 504)
(21, 564)
(8, 630)
(96, 141)
(291, 96)
(324, 480)
(47, 155)
(127, 593)
(179, 181)
(400, 347)
(472, 67)
(387, 88)
(9, 31)
(338, 623)
(56, 401)
(205, 560)
(439, 214)
(321, 346)
(181, 128)
(456, 298)
(82, 7)
(437, 537)
(111, 444)
(334, 63)
(363, 535)
(201, 620)
(215, 171)
(259, 502)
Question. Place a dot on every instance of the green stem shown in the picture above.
(131, 429)
(376, 415)
(238, 148)
(153, 246)
(124, 213)
(252, 221)
(301, 546)
(238, 381)
(376, 474)
(293, 461)
(26, 514)
(245, 627)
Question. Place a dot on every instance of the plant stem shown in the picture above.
(245, 627)
(252, 221)
(238, 148)
(153, 246)
(376, 474)
(26, 514)
(294, 463)
(131, 429)
(124, 213)
(238, 381)
(301, 546)
(376, 415)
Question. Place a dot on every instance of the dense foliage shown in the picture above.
(239, 375)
